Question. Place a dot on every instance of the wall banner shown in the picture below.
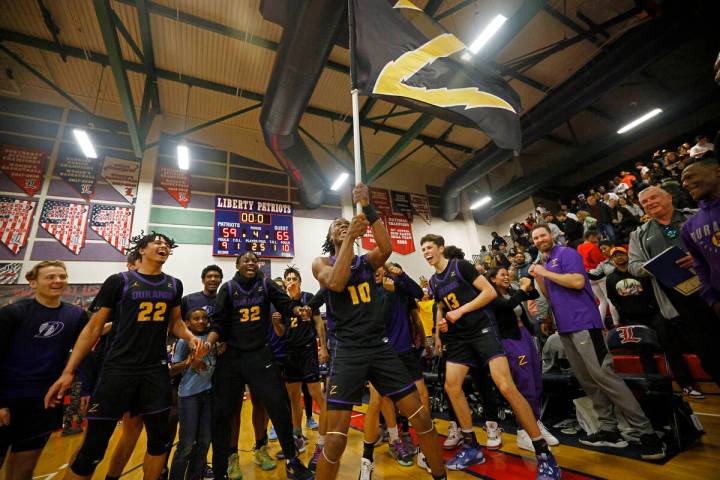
(80, 172)
(399, 226)
(24, 166)
(401, 204)
(15, 221)
(113, 223)
(122, 175)
(9, 273)
(176, 183)
(421, 206)
(67, 222)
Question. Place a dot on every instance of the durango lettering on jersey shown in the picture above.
(151, 295)
(245, 301)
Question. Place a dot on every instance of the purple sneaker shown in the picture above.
(466, 457)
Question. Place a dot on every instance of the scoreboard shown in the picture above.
(258, 226)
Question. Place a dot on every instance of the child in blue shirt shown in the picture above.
(194, 403)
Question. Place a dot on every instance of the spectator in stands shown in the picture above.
(519, 234)
(701, 232)
(582, 202)
(562, 279)
(649, 240)
(572, 228)
(625, 220)
(592, 256)
(521, 264)
(635, 302)
(634, 208)
(628, 179)
(588, 221)
(497, 240)
(557, 233)
(680, 197)
(701, 146)
(602, 212)
(500, 259)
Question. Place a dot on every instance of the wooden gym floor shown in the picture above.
(699, 462)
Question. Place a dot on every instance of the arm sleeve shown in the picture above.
(467, 271)
(181, 351)
(515, 299)
(221, 315)
(317, 300)
(702, 268)
(408, 286)
(184, 307)
(10, 317)
(572, 262)
(283, 303)
(110, 292)
(636, 256)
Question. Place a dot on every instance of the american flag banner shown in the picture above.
(9, 273)
(15, 220)
(67, 222)
(113, 223)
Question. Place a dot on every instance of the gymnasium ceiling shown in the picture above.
(213, 57)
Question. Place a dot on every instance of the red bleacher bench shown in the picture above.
(630, 364)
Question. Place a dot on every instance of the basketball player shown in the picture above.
(361, 350)
(471, 339)
(303, 361)
(243, 316)
(145, 306)
(36, 335)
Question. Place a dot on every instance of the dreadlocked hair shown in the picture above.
(329, 246)
(292, 269)
(451, 251)
(141, 241)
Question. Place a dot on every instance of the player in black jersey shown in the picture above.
(145, 306)
(242, 316)
(471, 338)
(303, 360)
(361, 350)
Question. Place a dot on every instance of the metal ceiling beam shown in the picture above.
(594, 27)
(52, 27)
(117, 64)
(148, 53)
(400, 160)
(103, 59)
(562, 18)
(399, 146)
(392, 115)
(342, 164)
(451, 10)
(127, 36)
(445, 157)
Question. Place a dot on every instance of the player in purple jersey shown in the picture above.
(36, 335)
(470, 335)
(145, 306)
(361, 351)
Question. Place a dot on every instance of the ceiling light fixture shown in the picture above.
(638, 121)
(85, 143)
(483, 201)
(183, 154)
(485, 36)
(339, 182)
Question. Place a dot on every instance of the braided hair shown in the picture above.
(329, 246)
(141, 241)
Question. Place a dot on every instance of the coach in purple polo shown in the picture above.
(560, 276)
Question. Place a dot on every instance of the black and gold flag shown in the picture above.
(403, 56)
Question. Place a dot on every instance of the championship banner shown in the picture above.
(113, 223)
(122, 175)
(176, 183)
(66, 221)
(15, 220)
(421, 206)
(24, 166)
(399, 227)
(80, 172)
(401, 204)
(9, 273)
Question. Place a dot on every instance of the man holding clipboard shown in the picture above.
(652, 243)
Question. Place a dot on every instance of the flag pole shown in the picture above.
(354, 93)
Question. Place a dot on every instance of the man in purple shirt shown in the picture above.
(701, 232)
(561, 277)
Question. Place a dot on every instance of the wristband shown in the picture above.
(370, 213)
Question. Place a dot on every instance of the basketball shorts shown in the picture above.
(302, 365)
(137, 393)
(475, 352)
(31, 424)
(412, 364)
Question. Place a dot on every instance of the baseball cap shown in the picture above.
(615, 250)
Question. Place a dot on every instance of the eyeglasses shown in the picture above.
(670, 231)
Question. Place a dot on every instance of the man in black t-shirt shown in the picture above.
(361, 350)
(211, 277)
(470, 335)
(145, 306)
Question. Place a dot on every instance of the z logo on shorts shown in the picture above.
(522, 360)
(333, 390)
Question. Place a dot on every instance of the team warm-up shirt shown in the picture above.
(35, 342)
(196, 300)
(397, 307)
(299, 332)
(242, 311)
(357, 310)
(141, 309)
(574, 310)
(453, 287)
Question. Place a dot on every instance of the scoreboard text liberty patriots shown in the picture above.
(244, 225)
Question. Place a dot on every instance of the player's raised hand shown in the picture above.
(358, 226)
(293, 289)
(394, 270)
(361, 194)
(57, 390)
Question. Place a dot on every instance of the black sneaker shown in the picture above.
(295, 470)
(651, 447)
(604, 438)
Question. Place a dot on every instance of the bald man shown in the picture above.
(690, 317)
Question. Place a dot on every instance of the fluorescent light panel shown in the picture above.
(485, 36)
(483, 201)
(183, 153)
(85, 144)
(339, 182)
(644, 118)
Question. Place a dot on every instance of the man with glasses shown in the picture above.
(662, 231)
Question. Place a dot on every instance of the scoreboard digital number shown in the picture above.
(245, 225)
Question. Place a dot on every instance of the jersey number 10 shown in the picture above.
(150, 311)
(361, 293)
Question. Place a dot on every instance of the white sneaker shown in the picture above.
(523, 441)
(421, 463)
(454, 437)
(549, 437)
(494, 435)
(366, 469)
